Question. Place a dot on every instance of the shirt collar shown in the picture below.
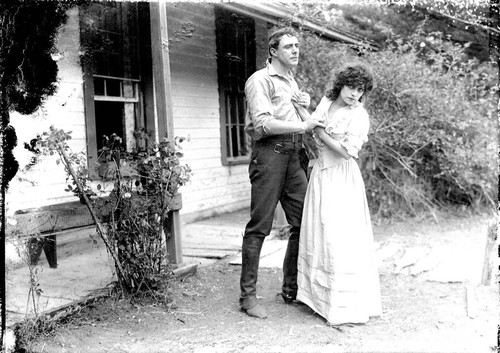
(272, 72)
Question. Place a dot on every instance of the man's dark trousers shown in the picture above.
(275, 175)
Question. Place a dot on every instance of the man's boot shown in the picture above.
(289, 289)
(250, 255)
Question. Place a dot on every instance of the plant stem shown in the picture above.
(99, 226)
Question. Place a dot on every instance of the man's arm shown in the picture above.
(258, 95)
(321, 133)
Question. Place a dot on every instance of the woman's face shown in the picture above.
(350, 95)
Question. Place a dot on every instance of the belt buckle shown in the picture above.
(278, 145)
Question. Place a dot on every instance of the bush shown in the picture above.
(131, 214)
(431, 142)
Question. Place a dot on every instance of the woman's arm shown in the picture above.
(332, 143)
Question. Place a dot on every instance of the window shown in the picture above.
(113, 72)
(235, 63)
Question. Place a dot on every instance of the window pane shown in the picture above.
(113, 88)
(99, 86)
(128, 89)
(109, 120)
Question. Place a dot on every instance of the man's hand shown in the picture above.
(301, 98)
(308, 121)
(312, 123)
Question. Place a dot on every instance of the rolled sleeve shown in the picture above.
(259, 104)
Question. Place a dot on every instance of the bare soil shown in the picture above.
(203, 316)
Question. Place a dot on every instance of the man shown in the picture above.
(275, 170)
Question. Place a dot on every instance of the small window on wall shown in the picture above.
(110, 33)
(235, 63)
(116, 103)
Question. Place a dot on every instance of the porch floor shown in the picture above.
(85, 269)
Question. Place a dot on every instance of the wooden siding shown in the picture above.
(214, 188)
(44, 184)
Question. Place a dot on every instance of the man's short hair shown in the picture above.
(275, 37)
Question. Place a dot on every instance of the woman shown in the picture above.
(338, 276)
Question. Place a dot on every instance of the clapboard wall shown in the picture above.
(214, 188)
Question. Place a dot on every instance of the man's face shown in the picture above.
(287, 52)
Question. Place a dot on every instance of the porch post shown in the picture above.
(164, 111)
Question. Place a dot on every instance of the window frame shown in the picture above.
(142, 86)
(224, 84)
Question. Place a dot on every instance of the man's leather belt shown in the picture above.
(287, 144)
(282, 138)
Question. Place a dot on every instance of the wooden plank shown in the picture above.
(90, 123)
(193, 214)
(161, 68)
(198, 13)
(189, 89)
(208, 253)
(185, 62)
(163, 94)
(239, 182)
(208, 201)
(221, 247)
(471, 302)
(185, 270)
(491, 237)
(196, 101)
(57, 217)
(212, 132)
(206, 78)
(202, 123)
(200, 116)
(174, 241)
(202, 46)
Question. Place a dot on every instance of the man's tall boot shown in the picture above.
(289, 289)
(250, 255)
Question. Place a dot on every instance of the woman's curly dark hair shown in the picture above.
(353, 75)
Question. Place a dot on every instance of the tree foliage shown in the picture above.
(28, 73)
(432, 115)
(474, 22)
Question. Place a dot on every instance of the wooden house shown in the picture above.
(172, 68)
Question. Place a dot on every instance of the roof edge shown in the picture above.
(272, 13)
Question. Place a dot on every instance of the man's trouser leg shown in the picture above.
(267, 171)
(250, 255)
(292, 200)
(289, 289)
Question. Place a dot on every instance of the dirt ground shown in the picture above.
(418, 315)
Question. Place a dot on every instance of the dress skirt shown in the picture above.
(337, 269)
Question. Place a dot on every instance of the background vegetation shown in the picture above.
(433, 110)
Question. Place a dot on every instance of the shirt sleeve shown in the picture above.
(258, 92)
(357, 132)
(320, 112)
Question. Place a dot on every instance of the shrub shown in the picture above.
(131, 215)
(432, 140)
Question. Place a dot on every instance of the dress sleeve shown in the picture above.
(357, 132)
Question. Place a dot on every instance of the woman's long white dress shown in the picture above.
(337, 270)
